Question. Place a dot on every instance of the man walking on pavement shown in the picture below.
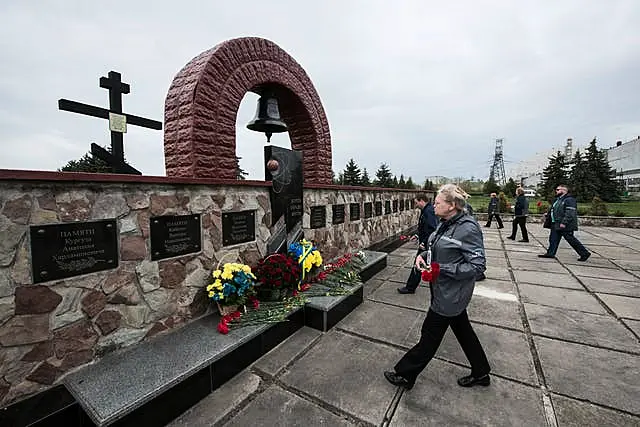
(493, 211)
(426, 225)
(564, 221)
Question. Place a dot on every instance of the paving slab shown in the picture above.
(495, 312)
(278, 407)
(531, 247)
(371, 285)
(628, 264)
(563, 298)
(507, 351)
(608, 273)
(593, 261)
(547, 279)
(574, 413)
(287, 351)
(549, 267)
(614, 251)
(388, 293)
(436, 400)
(586, 328)
(627, 307)
(497, 273)
(525, 256)
(493, 253)
(401, 275)
(384, 322)
(601, 376)
(634, 325)
(384, 274)
(616, 287)
(321, 373)
(220, 403)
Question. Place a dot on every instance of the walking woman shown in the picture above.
(454, 256)
(521, 210)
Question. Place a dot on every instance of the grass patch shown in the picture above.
(629, 208)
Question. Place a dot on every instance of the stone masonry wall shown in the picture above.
(51, 328)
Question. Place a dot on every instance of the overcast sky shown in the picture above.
(425, 86)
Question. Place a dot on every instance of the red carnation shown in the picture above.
(236, 314)
(223, 328)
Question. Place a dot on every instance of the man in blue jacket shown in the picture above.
(564, 221)
(426, 225)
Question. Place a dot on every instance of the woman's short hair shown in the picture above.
(519, 191)
(454, 194)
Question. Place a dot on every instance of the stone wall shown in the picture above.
(50, 328)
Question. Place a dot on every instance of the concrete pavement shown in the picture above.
(562, 337)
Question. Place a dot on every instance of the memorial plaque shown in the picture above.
(387, 207)
(401, 205)
(378, 207)
(395, 206)
(318, 217)
(338, 214)
(172, 235)
(354, 211)
(368, 209)
(71, 249)
(238, 227)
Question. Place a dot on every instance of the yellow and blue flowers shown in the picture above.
(232, 284)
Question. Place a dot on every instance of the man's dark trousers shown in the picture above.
(554, 241)
(415, 276)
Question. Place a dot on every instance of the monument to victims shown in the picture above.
(95, 263)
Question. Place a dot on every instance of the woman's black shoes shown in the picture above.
(470, 381)
(396, 379)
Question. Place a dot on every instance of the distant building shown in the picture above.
(625, 159)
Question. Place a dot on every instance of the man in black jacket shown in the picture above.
(564, 221)
(426, 225)
(493, 211)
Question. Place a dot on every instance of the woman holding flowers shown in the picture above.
(451, 262)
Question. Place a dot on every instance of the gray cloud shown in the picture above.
(423, 86)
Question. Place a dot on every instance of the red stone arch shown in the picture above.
(203, 101)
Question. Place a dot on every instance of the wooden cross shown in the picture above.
(117, 122)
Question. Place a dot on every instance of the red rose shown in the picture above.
(226, 318)
(295, 293)
(426, 276)
(223, 328)
(304, 287)
(236, 314)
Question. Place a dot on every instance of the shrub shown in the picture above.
(619, 213)
(583, 211)
(542, 207)
(598, 207)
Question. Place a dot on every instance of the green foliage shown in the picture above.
(88, 163)
(554, 174)
(351, 175)
(383, 176)
(503, 204)
(619, 213)
(598, 207)
(409, 184)
(240, 173)
(365, 181)
(401, 182)
(599, 178)
(583, 211)
(490, 186)
(579, 176)
(542, 207)
(429, 185)
(510, 187)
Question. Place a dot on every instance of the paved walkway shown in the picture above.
(562, 337)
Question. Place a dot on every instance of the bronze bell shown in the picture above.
(267, 117)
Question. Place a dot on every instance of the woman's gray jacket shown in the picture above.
(458, 247)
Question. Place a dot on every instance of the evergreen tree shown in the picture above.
(88, 163)
(340, 179)
(428, 185)
(395, 182)
(409, 184)
(601, 178)
(554, 174)
(579, 178)
(365, 181)
(490, 186)
(352, 173)
(509, 188)
(240, 173)
(401, 182)
(383, 176)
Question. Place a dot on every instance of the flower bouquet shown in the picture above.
(277, 274)
(308, 258)
(231, 286)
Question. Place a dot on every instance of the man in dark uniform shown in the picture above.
(426, 225)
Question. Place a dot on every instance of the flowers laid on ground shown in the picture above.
(307, 256)
(231, 285)
(336, 278)
(278, 271)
